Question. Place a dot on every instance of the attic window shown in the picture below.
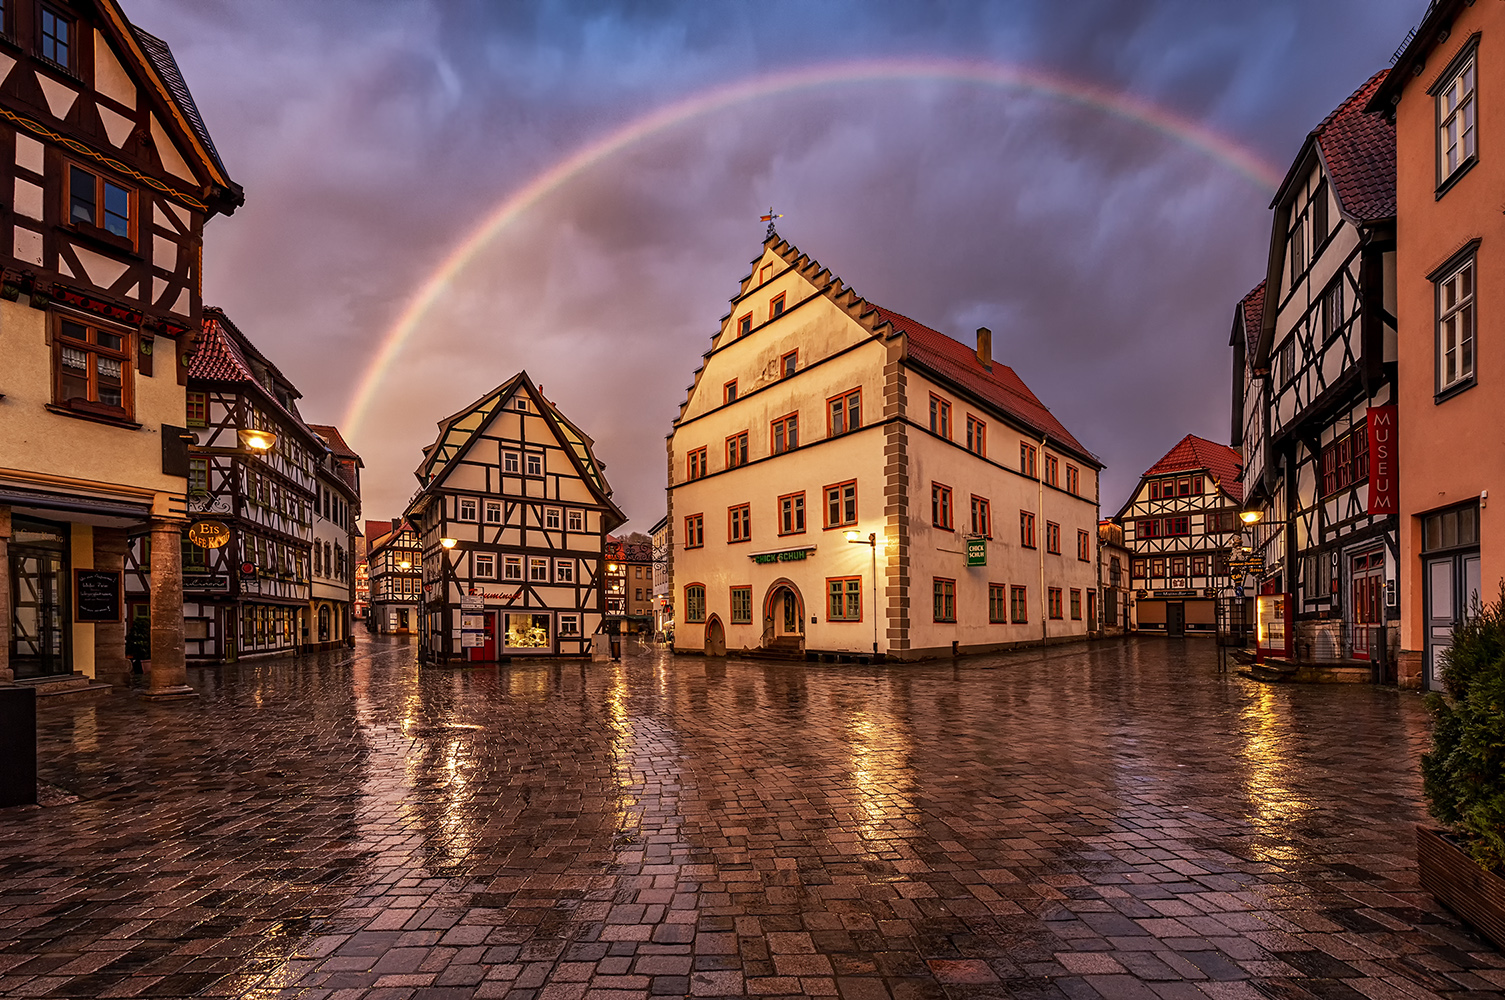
(765, 274)
(56, 38)
(522, 404)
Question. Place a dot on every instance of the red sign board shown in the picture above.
(1384, 479)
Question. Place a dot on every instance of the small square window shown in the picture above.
(512, 567)
(538, 569)
(485, 565)
(535, 464)
(729, 392)
(467, 509)
(776, 307)
(576, 520)
(493, 512)
(511, 462)
(788, 363)
(564, 571)
(744, 326)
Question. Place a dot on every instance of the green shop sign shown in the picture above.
(977, 552)
(769, 557)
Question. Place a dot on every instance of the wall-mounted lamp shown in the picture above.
(258, 440)
(448, 543)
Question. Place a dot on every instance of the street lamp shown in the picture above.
(446, 544)
(257, 440)
(871, 540)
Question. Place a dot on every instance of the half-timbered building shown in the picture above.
(1178, 526)
(337, 508)
(1321, 381)
(846, 482)
(513, 512)
(395, 577)
(248, 594)
(109, 176)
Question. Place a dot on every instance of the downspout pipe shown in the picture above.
(1040, 542)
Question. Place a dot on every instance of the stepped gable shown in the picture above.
(1358, 150)
(957, 363)
(1193, 453)
(1253, 308)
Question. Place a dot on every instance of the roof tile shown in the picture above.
(1359, 150)
(1001, 386)
(1192, 454)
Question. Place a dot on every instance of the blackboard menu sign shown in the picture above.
(98, 595)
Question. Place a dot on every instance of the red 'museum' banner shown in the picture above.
(1384, 481)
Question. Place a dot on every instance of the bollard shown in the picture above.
(18, 746)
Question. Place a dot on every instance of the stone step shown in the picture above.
(65, 687)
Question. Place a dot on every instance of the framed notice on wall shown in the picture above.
(96, 595)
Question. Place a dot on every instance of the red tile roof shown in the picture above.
(1193, 454)
(217, 358)
(1253, 308)
(1359, 150)
(336, 441)
(1001, 387)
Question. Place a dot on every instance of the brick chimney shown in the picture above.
(985, 347)
(396, 523)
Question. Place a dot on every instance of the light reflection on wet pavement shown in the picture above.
(1116, 820)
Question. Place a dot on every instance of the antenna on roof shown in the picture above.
(769, 219)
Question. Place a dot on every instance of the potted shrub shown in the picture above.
(138, 642)
(1464, 776)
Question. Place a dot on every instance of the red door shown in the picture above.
(1367, 572)
(486, 652)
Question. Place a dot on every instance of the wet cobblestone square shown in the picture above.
(1115, 820)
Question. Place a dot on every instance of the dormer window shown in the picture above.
(56, 38)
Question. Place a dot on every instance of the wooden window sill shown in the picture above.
(99, 418)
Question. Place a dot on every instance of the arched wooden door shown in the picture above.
(715, 637)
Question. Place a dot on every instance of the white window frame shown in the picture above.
(535, 563)
(564, 571)
(466, 508)
(551, 519)
(1464, 313)
(493, 507)
(1457, 120)
(512, 568)
(484, 564)
(576, 520)
(512, 463)
(534, 464)
(569, 625)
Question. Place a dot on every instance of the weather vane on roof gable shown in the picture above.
(769, 219)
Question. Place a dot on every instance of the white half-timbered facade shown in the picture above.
(1320, 381)
(337, 508)
(1178, 526)
(395, 578)
(515, 489)
(250, 595)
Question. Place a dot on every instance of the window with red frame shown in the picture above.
(785, 433)
(844, 413)
(1345, 462)
(1019, 605)
(788, 363)
(841, 504)
(940, 416)
(695, 531)
(729, 392)
(940, 506)
(1026, 529)
(1052, 469)
(998, 608)
(776, 307)
(696, 463)
(844, 598)
(1084, 546)
(1052, 537)
(736, 450)
(744, 326)
(1073, 480)
(1076, 605)
(1054, 595)
(1198, 565)
(977, 436)
(1027, 458)
(739, 523)
(1147, 527)
(982, 517)
(1178, 526)
(944, 600)
(198, 409)
(792, 514)
(1178, 566)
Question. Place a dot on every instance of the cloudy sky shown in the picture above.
(1105, 251)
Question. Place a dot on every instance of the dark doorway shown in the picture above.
(1175, 618)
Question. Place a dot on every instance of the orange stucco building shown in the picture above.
(1450, 293)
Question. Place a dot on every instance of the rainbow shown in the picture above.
(1215, 146)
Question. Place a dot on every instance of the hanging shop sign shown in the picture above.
(1384, 476)
(977, 551)
(209, 534)
(793, 555)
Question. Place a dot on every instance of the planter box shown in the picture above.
(1455, 878)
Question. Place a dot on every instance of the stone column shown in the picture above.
(169, 679)
(110, 663)
(7, 675)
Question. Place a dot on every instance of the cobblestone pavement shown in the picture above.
(1117, 821)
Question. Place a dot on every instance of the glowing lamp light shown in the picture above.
(404, 565)
(853, 536)
(1251, 516)
(258, 440)
(448, 543)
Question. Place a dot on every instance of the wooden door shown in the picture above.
(1366, 608)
